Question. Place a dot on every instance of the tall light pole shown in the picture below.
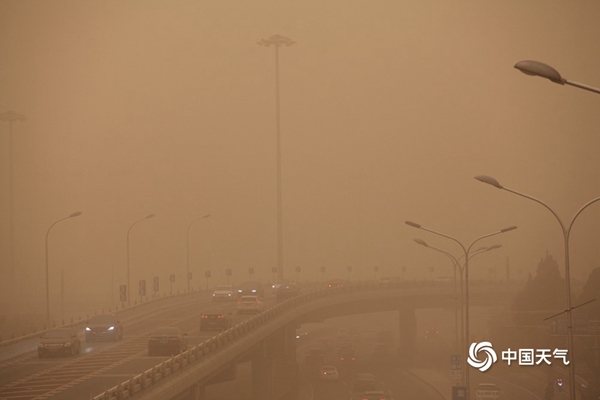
(11, 117)
(566, 231)
(75, 214)
(188, 249)
(466, 251)
(128, 282)
(277, 41)
(536, 68)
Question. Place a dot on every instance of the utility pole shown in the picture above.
(11, 117)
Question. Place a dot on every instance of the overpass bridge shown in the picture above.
(267, 340)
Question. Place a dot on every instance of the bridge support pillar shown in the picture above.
(262, 377)
(274, 368)
(197, 392)
(407, 334)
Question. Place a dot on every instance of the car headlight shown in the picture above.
(87, 328)
(229, 294)
(67, 344)
(111, 328)
(253, 290)
(214, 294)
(239, 290)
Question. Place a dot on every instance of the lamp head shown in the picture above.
(421, 242)
(489, 180)
(206, 216)
(75, 214)
(494, 247)
(413, 224)
(536, 68)
(149, 216)
(510, 228)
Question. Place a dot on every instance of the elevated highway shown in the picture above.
(268, 339)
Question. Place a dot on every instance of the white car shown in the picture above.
(329, 373)
(487, 391)
(375, 395)
(223, 293)
(249, 304)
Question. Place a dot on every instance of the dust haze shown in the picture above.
(388, 111)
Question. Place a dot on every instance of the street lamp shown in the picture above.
(456, 264)
(128, 282)
(75, 214)
(566, 231)
(188, 249)
(467, 256)
(536, 68)
(11, 117)
(277, 41)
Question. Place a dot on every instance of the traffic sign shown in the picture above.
(123, 292)
(559, 326)
(349, 268)
(142, 288)
(297, 269)
(207, 274)
(251, 270)
(459, 392)
(376, 268)
(456, 369)
(322, 269)
(155, 284)
(228, 272)
(274, 270)
(172, 278)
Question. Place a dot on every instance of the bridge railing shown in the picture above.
(158, 373)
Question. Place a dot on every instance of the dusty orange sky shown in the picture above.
(388, 109)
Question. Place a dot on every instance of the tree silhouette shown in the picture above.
(545, 291)
(591, 291)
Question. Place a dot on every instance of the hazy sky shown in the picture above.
(388, 109)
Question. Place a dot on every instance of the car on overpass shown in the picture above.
(223, 293)
(287, 292)
(59, 341)
(167, 340)
(250, 305)
(251, 289)
(103, 327)
(214, 321)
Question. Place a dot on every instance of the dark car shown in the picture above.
(167, 341)
(251, 289)
(103, 327)
(285, 292)
(214, 321)
(59, 341)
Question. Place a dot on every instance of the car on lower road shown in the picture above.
(167, 341)
(375, 395)
(329, 373)
(103, 327)
(59, 341)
